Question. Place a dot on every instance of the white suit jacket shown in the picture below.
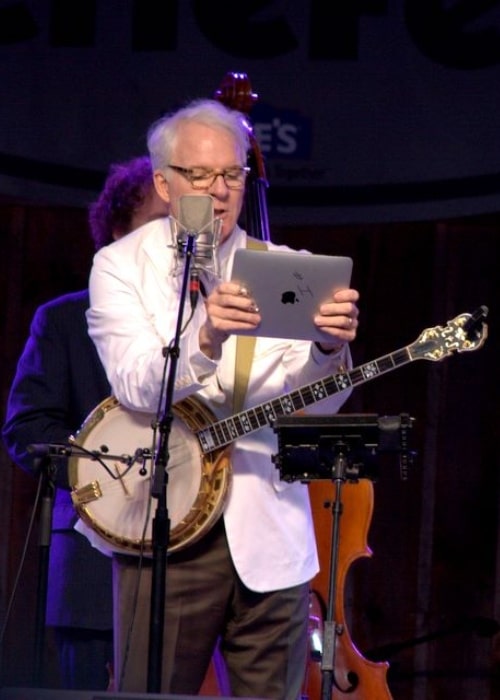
(132, 317)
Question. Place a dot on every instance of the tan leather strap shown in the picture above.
(244, 351)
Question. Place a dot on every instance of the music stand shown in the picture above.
(338, 448)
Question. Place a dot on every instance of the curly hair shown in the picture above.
(125, 190)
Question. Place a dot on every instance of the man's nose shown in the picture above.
(219, 184)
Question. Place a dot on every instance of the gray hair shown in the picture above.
(162, 134)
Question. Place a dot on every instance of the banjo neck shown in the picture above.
(464, 333)
(227, 430)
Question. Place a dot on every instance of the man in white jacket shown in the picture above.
(245, 580)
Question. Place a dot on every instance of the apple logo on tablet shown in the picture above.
(289, 298)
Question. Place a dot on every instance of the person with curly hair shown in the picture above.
(58, 382)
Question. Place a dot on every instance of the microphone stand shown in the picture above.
(45, 457)
(161, 521)
(45, 536)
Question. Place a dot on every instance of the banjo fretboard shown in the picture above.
(463, 333)
(226, 431)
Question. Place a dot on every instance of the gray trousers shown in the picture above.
(263, 636)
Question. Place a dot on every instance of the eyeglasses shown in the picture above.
(203, 178)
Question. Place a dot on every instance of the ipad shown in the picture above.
(288, 288)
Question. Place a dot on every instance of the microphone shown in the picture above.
(60, 449)
(196, 219)
(50, 449)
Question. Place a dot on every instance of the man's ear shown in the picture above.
(161, 185)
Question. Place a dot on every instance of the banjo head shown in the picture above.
(111, 486)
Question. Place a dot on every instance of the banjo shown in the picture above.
(111, 492)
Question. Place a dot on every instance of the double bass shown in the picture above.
(354, 676)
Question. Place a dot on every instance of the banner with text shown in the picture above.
(365, 111)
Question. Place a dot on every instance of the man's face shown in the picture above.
(200, 146)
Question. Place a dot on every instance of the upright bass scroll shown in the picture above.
(235, 92)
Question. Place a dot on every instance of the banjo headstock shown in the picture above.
(464, 333)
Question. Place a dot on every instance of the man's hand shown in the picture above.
(229, 309)
(338, 318)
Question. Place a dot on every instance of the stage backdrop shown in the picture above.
(366, 111)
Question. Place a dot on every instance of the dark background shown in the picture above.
(434, 537)
(378, 122)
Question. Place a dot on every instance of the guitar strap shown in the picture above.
(244, 351)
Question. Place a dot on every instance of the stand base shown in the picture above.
(47, 694)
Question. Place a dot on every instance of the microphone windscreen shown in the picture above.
(196, 212)
(196, 220)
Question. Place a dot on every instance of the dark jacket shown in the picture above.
(59, 381)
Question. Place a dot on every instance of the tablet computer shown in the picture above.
(288, 287)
